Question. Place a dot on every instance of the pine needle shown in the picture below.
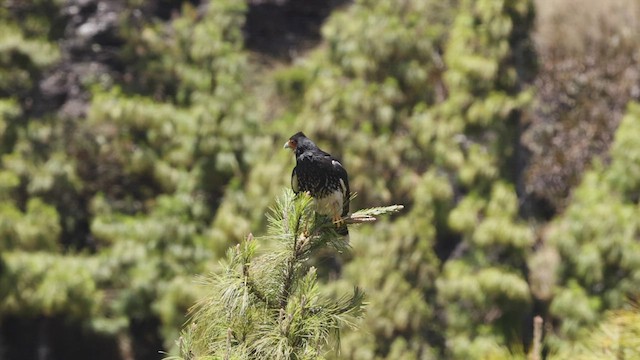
(268, 305)
(371, 214)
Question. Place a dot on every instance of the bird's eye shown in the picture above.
(293, 144)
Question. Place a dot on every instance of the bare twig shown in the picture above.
(536, 350)
(227, 355)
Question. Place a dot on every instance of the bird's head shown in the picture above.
(298, 142)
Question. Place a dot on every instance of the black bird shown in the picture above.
(323, 177)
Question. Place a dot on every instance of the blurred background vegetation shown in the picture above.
(140, 139)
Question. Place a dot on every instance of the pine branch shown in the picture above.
(371, 214)
(269, 305)
(288, 281)
(253, 288)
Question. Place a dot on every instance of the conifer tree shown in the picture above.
(615, 337)
(597, 239)
(270, 306)
(482, 287)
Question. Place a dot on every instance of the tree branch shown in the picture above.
(371, 214)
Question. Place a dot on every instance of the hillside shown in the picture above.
(139, 140)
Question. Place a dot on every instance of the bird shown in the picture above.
(323, 177)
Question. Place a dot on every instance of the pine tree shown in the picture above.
(271, 306)
(597, 239)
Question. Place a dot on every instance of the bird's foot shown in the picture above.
(341, 225)
(337, 221)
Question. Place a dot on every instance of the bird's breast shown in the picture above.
(331, 204)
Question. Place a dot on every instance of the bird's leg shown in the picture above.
(337, 220)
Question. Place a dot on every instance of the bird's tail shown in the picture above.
(342, 226)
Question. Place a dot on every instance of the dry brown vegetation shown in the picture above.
(586, 78)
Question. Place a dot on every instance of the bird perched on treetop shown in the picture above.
(323, 177)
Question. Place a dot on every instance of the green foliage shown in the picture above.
(153, 256)
(269, 305)
(616, 337)
(27, 48)
(134, 188)
(597, 237)
(624, 172)
(45, 284)
(367, 81)
(9, 113)
(174, 297)
(398, 269)
(105, 219)
(37, 229)
(291, 84)
(483, 288)
(435, 132)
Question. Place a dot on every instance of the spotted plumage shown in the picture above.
(323, 177)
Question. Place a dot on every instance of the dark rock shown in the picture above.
(283, 28)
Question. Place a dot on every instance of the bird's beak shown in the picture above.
(287, 145)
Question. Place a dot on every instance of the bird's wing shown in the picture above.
(330, 164)
(326, 163)
(294, 181)
(344, 182)
(323, 161)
